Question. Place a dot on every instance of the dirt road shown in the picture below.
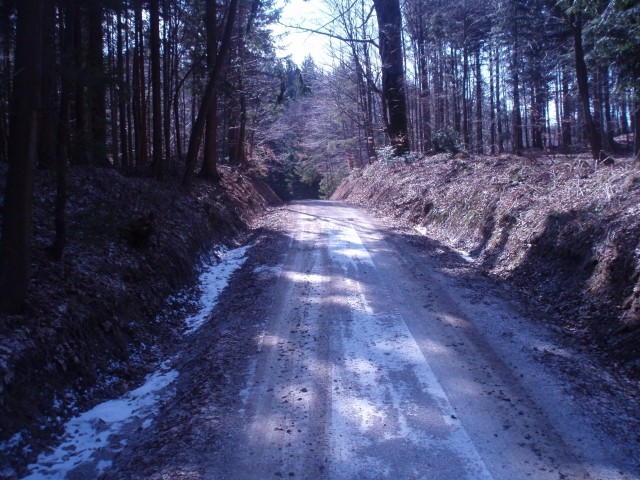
(344, 350)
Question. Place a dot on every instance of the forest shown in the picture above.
(172, 88)
(141, 138)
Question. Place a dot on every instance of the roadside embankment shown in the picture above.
(560, 227)
(90, 327)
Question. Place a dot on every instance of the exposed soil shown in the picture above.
(560, 227)
(90, 327)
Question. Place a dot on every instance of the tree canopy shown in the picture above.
(172, 88)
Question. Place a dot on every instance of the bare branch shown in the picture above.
(330, 34)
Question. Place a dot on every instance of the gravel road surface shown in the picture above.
(345, 350)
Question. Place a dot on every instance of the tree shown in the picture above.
(15, 245)
(393, 79)
(209, 169)
(158, 159)
(616, 36)
(576, 23)
(209, 95)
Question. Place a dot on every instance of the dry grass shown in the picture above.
(562, 227)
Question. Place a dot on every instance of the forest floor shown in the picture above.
(559, 227)
(92, 328)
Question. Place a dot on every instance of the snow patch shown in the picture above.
(212, 281)
(421, 230)
(346, 248)
(466, 256)
(89, 432)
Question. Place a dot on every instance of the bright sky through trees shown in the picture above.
(307, 14)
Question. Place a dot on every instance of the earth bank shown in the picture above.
(563, 228)
(90, 328)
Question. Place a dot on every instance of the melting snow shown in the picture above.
(89, 432)
(464, 255)
(212, 281)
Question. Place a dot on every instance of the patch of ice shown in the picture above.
(420, 230)
(212, 281)
(346, 247)
(89, 432)
(269, 270)
(464, 255)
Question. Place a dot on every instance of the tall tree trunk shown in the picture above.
(479, 133)
(209, 169)
(122, 85)
(170, 74)
(139, 98)
(97, 85)
(466, 134)
(81, 137)
(209, 95)
(425, 93)
(63, 140)
(515, 74)
(47, 147)
(583, 88)
(158, 164)
(610, 128)
(499, 104)
(567, 115)
(636, 122)
(369, 114)
(455, 92)
(113, 94)
(15, 245)
(492, 133)
(393, 83)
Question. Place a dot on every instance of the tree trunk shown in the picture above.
(97, 85)
(393, 83)
(122, 98)
(80, 150)
(583, 88)
(15, 245)
(209, 169)
(515, 73)
(425, 93)
(567, 116)
(610, 128)
(158, 164)
(466, 134)
(63, 140)
(139, 99)
(47, 147)
(170, 75)
(492, 133)
(209, 96)
(499, 104)
(636, 122)
(479, 133)
(113, 95)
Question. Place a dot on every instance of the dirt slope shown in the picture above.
(90, 327)
(562, 228)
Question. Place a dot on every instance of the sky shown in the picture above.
(300, 44)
